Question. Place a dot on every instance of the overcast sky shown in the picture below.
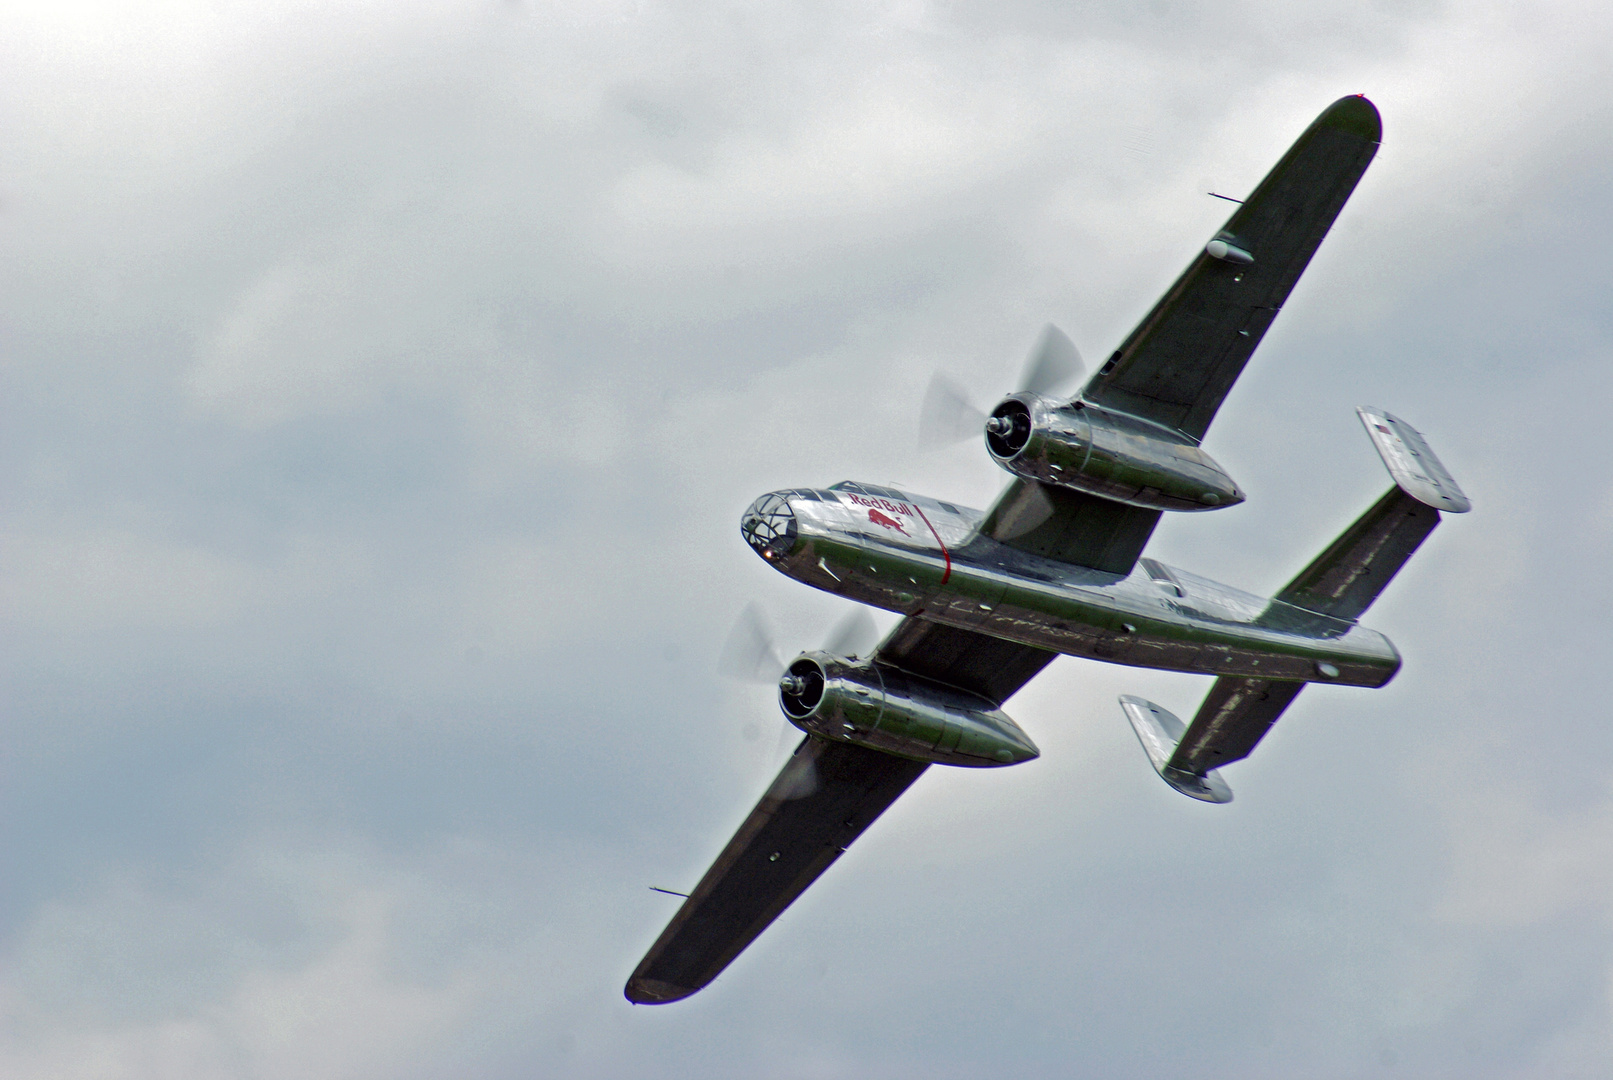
(382, 385)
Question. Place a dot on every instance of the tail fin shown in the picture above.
(1345, 579)
(1416, 470)
(1342, 581)
(1160, 732)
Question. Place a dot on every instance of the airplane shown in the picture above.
(1056, 567)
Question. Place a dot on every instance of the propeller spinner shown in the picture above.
(948, 415)
(751, 655)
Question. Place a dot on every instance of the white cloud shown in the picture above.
(98, 577)
(387, 382)
(98, 986)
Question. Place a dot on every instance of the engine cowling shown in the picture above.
(1108, 454)
(883, 709)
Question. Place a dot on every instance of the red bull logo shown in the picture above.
(886, 521)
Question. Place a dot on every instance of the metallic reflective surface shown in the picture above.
(1160, 732)
(1056, 566)
(1416, 470)
(884, 709)
(769, 525)
(1106, 453)
(915, 555)
(1225, 248)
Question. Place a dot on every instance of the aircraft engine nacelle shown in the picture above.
(883, 709)
(1107, 454)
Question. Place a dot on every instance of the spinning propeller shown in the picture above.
(751, 655)
(948, 416)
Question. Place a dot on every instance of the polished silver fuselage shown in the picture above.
(923, 557)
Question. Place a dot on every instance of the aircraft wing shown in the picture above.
(1178, 365)
(986, 666)
(1070, 526)
(827, 794)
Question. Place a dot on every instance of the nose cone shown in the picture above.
(769, 526)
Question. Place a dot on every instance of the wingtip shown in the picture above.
(1354, 114)
(654, 992)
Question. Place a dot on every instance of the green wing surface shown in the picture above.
(824, 798)
(983, 665)
(827, 794)
(1069, 526)
(1178, 365)
(1235, 716)
(1344, 580)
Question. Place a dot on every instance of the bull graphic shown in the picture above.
(888, 522)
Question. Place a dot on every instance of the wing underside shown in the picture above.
(1179, 364)
(827, 794)
(986, 666)
(1069, 526)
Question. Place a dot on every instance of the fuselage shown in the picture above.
(924, 557)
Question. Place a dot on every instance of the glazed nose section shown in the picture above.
(769, 526)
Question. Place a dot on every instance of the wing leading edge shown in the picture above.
(1178, 365)
(824, 798)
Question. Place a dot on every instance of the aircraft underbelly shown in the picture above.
(1197, 626)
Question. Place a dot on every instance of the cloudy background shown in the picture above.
(382, 384)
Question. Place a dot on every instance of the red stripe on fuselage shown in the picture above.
(945, 554)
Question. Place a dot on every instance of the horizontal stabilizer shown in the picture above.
(1345, 579)
(1160, 732)
(1341, 582)
(1236, 715)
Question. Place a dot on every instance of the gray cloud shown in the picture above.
(384, 385)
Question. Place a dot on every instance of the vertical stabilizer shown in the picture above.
(1415, 469)
(1159, 732)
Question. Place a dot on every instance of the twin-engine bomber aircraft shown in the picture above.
(1054, 567)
